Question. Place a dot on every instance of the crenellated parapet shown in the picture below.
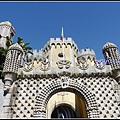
(38, 55)
(58, 42)
(86, 57)
(86, 53)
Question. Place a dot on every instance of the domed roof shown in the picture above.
(15, 46)
(109, 45)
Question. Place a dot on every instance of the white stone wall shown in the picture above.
(24, 91)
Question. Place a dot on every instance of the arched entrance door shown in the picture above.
(83, 99)
(63, 111)
(66, 105)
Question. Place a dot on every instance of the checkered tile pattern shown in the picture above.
(23, 97)
(12, 62)
(105, 95)
(102, 93)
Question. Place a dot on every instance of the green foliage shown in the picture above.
(24, 46)
(3, 51)
(8, 42)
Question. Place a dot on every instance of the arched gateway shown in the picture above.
(70, 85)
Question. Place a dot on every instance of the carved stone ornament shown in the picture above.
(64, 81)
(83, 65)
(99, 64)
(63, 63)
(28, 66)
(45, 66)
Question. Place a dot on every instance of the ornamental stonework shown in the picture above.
(64, 80)
(45, 65)
(63, 64)
(28, 66)
(99, 64)
(83, 65)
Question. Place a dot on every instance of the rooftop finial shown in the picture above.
(62, 35)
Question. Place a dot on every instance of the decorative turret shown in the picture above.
(12, 63)
(86, 55)
(112, 58)
(6, 30)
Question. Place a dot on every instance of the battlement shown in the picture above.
(87, 53)
(37, 54)
(57, 41)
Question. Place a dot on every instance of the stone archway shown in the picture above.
(65, 83)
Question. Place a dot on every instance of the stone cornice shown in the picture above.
(72, 71)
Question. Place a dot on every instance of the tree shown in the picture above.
(24, 46)
(3, 51)
(8, 42)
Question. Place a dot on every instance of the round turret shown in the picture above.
(87, 55)
(112, 56)
(110, 51)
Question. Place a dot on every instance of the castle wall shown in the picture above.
(24, 92)
(59, 74)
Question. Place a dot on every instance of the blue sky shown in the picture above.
(89, 24)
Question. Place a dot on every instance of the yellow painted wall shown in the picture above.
(59, 98)
(72, 99)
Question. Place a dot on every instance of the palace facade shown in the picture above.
(59, 81)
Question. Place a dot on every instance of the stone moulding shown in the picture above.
(44, 70)
(75, 75)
